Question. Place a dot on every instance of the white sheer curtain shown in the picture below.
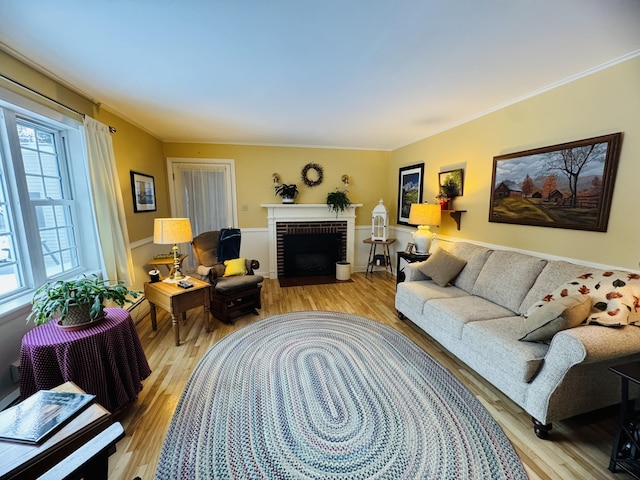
(203, 191)
(108, 204)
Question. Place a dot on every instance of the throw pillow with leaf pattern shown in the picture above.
(615, 296)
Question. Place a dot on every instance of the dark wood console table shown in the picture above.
(625, 453)
(409, 258)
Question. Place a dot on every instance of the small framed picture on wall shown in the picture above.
(143, 191)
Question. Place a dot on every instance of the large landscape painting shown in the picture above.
(562, 186)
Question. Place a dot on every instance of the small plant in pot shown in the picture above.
(448, 191)
(288, 192)
(77, 301)
(338, 201)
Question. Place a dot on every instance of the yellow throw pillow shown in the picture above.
(237, 266)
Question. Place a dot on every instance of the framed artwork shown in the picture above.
(454, 176)
(410, 248)
(143, 191)
(409, 190)
(562, 186)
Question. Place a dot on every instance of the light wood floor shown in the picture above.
(580, 447)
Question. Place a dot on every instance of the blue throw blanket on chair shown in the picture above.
(229, 244)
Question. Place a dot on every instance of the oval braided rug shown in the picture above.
(323, 395)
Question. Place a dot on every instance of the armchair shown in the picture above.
(236, 293)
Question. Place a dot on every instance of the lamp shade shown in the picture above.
(171, 230)
(425, 214)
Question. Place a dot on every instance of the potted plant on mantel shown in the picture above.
(77, 302)
(448, 191)
(288, 192)
(338, 201)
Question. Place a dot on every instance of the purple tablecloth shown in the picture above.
(106, 360)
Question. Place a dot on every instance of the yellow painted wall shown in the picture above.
(605, 102)
(254, 166)
(134, 148)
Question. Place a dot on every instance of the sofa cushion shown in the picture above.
(442, 267)
(495, 342)
(615, 296)
(549, 319)
(411, 296)
(507, 277)
(554, 274)
(452, 314)
(238, 283)
(474, 255)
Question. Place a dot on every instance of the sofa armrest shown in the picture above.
(601, 344)
(413, 273)
(589, 344)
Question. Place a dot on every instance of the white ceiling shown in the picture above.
(372, 74)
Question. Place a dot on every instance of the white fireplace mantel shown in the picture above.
(306, 212)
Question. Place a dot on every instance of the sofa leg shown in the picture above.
(541, 430)
(400, 315)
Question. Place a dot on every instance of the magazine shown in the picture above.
(40, 415)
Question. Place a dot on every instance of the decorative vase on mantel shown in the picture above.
(445, 204)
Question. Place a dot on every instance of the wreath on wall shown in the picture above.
(310, 182)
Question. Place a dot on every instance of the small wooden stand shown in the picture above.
(385, 252)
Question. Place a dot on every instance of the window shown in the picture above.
(47, 228)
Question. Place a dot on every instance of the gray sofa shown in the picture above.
(478, 317)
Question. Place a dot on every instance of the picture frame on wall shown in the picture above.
(569, 185)
(411, 182)
(457, 176)
(143, 191)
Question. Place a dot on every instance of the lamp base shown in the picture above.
(177, 273)
(422, 238)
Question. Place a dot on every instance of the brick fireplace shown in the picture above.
(313, 220)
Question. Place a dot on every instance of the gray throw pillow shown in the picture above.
(566, 312)
(442, 267)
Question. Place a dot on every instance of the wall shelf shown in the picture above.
(456, 215)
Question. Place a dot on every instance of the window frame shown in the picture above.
(72, 164)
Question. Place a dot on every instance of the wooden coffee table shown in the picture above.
(176, 300)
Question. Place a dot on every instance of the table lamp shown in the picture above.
(172, 230)
(423, 215)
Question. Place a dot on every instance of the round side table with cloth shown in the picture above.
(105, 359)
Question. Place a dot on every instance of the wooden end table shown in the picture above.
(20, 460)
(176, 300)
(409, 258)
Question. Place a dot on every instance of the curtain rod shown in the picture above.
(111, 129)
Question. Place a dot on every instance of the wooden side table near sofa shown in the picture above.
(625, 454)
(176, 300)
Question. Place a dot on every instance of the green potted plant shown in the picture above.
(288, 192)
(77, 301)
(448, 191)
(338, 201)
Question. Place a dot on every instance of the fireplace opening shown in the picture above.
(311, 254)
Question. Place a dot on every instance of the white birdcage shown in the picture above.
(379, 220)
